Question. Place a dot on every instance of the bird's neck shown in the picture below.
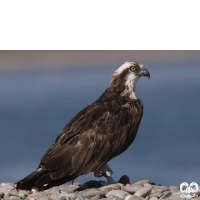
(124, 85)
(130, 89)
(125, 90)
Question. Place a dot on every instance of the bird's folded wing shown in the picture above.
(92, 138)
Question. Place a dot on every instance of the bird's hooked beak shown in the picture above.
(145, 72)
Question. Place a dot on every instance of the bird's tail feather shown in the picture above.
(40, 179)
(28, 182)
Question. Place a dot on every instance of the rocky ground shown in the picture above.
(142, 190)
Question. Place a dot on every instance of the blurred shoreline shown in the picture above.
(28, 60)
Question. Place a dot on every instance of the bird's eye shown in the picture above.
(132, 68)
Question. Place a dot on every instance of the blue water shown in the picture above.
(36, 105)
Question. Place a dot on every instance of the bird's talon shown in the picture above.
(103, 174)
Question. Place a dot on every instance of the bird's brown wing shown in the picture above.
(93, 137)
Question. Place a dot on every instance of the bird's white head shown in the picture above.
(127, 76)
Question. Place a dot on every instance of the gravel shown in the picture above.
(94, 190)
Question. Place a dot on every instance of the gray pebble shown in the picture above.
(29, 196)
(142, 182)
(177, 197)
(71, 187)
(6, 196)
(173, 188)
(56, 190)
(54, 197)
(112, 186)
(133, 197)
(67, 195)
(83, 196)
(132, 188)
(148, 185)
(7, 183)
(13, 193)
(156, 194)
(153, 198)
(39, 195)
(128, 197)
(166, 194)
(63, 196)
(6, 188)
(176, 193)
(117, 193)
(96, 197)
(71, 195)
(160, 189)
(93, 192)
(45, 198)
(143, 192)
(50, 191)
(107, 190)
(121, 185)
(14, 198)
(113, 197)
(25, 192)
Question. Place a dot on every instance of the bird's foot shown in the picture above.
(106, 172)
(110, 180)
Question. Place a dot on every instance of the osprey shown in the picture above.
(98, 133)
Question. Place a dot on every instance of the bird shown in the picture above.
(98, 133)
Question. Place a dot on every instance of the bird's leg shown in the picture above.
(105, 171)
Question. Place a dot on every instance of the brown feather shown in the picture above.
(101, 131)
